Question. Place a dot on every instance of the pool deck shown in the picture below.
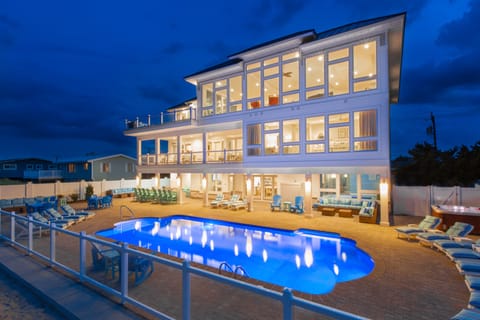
(409, 281)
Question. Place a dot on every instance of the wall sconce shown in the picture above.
(383, 187)
(249, 185)
(178, 180)
(308, 186)
(137, 180)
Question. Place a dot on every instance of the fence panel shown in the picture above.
(414, 201)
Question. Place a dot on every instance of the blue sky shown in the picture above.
(71, 72)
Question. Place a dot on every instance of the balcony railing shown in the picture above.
(42, 174)
(223, 156)
(177, 116)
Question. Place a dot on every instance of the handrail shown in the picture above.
(227, 267)
(242, 270)
(132, 214)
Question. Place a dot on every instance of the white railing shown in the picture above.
(8, 233)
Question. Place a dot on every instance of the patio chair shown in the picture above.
(276, 203)
(240, 204)
(140, 267)
(94, 202)
(458, 229)
(216, 202)
(72, 212)
(297, 207)
(106, 201)
(105, 258)
(411, 230)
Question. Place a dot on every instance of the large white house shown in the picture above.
(306, 114)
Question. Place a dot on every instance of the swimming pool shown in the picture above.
(305, 260)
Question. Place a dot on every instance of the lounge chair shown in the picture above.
(458, 229)
(411, 230)
(473, 282)
(228, 203)
(51, 213)
(22, 228)
(217, 201)
(69, 211)
(468, 266)
(459, 242)
(41, 219)
(467, 314)
(461, 253)
(297, 207)
(276, 203)
(474, 301)
(240, 204)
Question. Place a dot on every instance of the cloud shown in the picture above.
(462, 33)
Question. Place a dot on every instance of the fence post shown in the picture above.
(82, 255)
(30, 234)
(124, 272)
(52, 243)
(287, 304)
(186, 290)
(12, 227)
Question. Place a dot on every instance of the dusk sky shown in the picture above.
(71, 72)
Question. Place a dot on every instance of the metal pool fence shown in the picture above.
(67, 251)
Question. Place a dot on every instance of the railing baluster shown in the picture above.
(186, 290)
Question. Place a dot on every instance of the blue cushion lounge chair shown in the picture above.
(228, 203)
(54, 214)
(458, 229)
(39, 218)
(106, 201)
(276, 203)
(474, 299)
(458, 253)
(467, 314)
(217, 201)
(459, 242)
(297, 207)
(411, 230)
(468, 266)
(22, 229)
(473, 282)
(72, 212)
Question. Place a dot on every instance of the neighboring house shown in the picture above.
(306, 114)
(29, 169)
(89, 168)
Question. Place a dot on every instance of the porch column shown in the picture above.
(139, 152)
(307, 207)
(359, 186)
(248, 185)
(384, 202)
(204, 189)
(180, 195)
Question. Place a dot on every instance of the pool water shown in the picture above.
(305, 260)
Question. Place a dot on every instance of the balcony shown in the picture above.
(188, 158)
(179, 116)
(42, 175)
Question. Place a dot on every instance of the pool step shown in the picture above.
(237, 271)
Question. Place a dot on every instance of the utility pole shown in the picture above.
(432, 130)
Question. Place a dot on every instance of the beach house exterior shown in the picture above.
(306, 114)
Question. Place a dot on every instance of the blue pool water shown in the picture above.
(305, 260)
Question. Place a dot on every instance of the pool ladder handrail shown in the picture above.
(238, 271)
(132, 214)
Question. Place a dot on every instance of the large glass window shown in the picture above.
(315, 128)
(339, 139)
(236, 93)
(365, 66)
(271, 143)
(207, 95)
(220, 101)
(271, 92)
(338, 78)
(253, 89)
(291, 131)
(365, 124)
(290, 76)
(254, 139)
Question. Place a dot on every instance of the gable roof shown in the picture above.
(91, 158)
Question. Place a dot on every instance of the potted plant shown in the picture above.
(88, 192)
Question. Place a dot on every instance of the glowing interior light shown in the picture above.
(320, 58)
(370, 75)
(318, 79)
(235, 250)
(204, 238)
(257, 84)
(309, 69)
(212, 245)
(366, 46)
(335, 269)
(289, 85)
(336, 83)
(249, 246)
(265, 255)
(297, 55)
(297, 261)
(308, 256)
(138, 225)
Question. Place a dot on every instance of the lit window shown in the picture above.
(338, 78)
(365, 124)
(339, 139)
(315, 128)
(291, 131)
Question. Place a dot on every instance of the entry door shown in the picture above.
(269, 187)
